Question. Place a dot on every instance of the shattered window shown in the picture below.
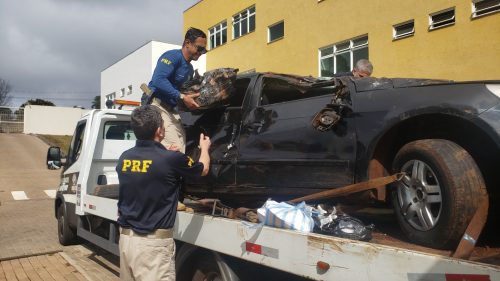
(278, 91)
(342, 56)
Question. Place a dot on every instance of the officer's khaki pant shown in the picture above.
(145, 259)
(174, 132)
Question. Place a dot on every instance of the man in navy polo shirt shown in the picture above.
(149, 177)
(172, 70)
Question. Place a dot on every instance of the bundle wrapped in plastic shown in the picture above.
(215, 87)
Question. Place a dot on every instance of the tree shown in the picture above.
(4, 92)
(96, 103)
(37, 102)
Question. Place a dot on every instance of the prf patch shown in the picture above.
(190, 161)
(136, 166)
(165, 61)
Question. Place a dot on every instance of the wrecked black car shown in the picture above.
(285, 136)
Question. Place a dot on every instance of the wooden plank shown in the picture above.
(9, 272)
(40, 269)
(50, 268)
(62, 267)
(29, 270)
(18, 270)
(2, 274)
(74, 273)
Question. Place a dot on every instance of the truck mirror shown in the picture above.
(54, 158)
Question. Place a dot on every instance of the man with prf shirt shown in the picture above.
(172, 70)
(149, 177)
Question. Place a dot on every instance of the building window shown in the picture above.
(442, 19)
(244, 22)
(218, 35)
(484, 7)
(276, 31)
(111, 97)
(129, 90)
(341, 57)
(403, 30)
(122, 92)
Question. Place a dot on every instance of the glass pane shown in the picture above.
(326, 67)
(406, 28)
(252, 10)
(360, 54)
(212, 41)
(277, 31)
(444, 16)
(236, 28)
(224, 24)
(224, 36)
(343, 62)
(217, 40)
(252, 23)
(326, 51)
(244, 26)
(343, 46)
(360, 41)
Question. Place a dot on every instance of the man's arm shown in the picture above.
(165, 69)
(204, 156)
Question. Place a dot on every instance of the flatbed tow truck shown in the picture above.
(210, 247)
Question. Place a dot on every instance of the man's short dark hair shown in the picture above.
(145, 120)
(194, 33)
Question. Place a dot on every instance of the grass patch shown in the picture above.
(62, 141)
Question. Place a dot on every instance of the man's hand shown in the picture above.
(189, 100)
(204, 156)
(173, 147)
(204, 142)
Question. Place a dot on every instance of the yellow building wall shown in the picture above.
(467, 50)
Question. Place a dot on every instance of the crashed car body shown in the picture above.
(284, 136)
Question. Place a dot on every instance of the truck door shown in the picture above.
(282, 153)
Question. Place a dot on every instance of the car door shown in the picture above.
(280, 153)
(222, 124)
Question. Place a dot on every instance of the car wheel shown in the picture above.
(437, 198)
(65, 233)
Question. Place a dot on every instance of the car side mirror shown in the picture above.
(54, 158)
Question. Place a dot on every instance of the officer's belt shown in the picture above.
(157, 234)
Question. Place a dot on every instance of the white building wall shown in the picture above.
(51, 120)
(135, 69)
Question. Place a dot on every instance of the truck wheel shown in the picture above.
(207, 270)
(66, 234)
(437, 198)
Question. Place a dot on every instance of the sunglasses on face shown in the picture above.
(200, 49)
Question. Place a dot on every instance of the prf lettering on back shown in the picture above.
(165, 61)
(136, 166)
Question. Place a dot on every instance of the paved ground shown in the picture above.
(28, 227)
(29, 249)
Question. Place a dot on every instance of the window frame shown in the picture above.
(351, 47)
(432, 24)
(269, 31)
(238, 18)
(474, 14)
(213, 31)
(395, 36)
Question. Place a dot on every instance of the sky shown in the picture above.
(56, 49)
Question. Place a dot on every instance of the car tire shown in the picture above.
(437, 198)
(66, 235)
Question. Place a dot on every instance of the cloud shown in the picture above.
(56, 49)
